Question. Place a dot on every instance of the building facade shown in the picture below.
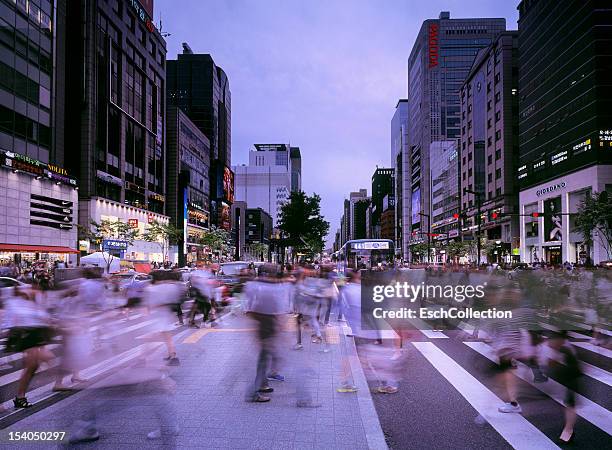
(116, 109)
(383, 185)
(444, 165)
(565, 123)
(188, 199)
(438, 64)
(258, 226)
(239, 227)
(201, 89)
(399, 145)
(489, 144)
(273, 172)
(38, 194)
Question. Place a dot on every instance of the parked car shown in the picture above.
(129, 284)
(7, 284)
(230, 275)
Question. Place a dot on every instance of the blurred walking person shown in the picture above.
(29, 332)
(266, 298)
(568, 373)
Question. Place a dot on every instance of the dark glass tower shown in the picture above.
(565, 87)
(440, 60)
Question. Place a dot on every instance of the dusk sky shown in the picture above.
(322, 75)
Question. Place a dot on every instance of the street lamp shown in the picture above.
(428, 232)
(478, 196)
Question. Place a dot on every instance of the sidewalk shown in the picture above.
(216, 367)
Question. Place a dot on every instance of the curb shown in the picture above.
(369, 417)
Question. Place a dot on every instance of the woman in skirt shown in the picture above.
(29, 332)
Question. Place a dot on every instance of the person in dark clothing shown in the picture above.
(568, 373)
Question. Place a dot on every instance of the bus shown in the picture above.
(366, 254)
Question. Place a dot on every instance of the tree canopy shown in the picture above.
(594, 218)
(303, 225)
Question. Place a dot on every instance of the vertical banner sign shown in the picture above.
(433, 44)
(185, 214)
(552, 219)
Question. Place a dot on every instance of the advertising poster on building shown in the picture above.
(416, 206)
(228, 185)
(552, 219)
(224, 214)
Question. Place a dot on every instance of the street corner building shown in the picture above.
(565, 125)
(38, 192)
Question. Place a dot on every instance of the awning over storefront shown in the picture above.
(18, 248)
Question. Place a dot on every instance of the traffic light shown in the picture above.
(459, 216)
(492, 216)
(535, 214)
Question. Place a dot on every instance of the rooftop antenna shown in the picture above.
(186, 49)
(164, 34)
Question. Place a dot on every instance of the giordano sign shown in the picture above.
(551, 188)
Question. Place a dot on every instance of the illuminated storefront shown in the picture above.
(140, 250)
(552, 237)
(38, 211)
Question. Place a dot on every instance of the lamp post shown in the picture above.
(478, 196)
(428, 233)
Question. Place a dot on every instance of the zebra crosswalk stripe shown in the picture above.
(585, 408)
(514, 428)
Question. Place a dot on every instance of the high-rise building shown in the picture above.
(188, 163)
(489, 143)
(361, 218)
(274, 171)
(345, 222)
(399, 145)
(258, 226)
(440, 60)
(200, 88)
(565, 123)
(383, 185)
(239, 227)
(116, 110)
(356, 217)
(296, 169)
(38, 196)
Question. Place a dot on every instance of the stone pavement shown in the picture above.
(208, 400)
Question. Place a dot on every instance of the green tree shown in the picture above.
(258, 250)
(594, 218)
(420, 251)
(163, 235)
(217, 239)
(97, 232)
(302, 224)
(456, 250)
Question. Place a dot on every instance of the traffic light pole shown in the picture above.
(478, 196)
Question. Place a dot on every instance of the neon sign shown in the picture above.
(142, 15)
(433, 45)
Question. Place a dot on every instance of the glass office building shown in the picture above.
(440, 60)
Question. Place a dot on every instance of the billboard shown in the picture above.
(552, 219)
(224, 217)
(416, 205)
(228, 185)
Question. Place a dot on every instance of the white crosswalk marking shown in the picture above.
(592, 371)
(594, 348)
(470, 329)
(121, 331)
(573, 334)
(425, 329)
(44, 392)
(588, 328)
(585, 408)
(18, 356)
(514, 428)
